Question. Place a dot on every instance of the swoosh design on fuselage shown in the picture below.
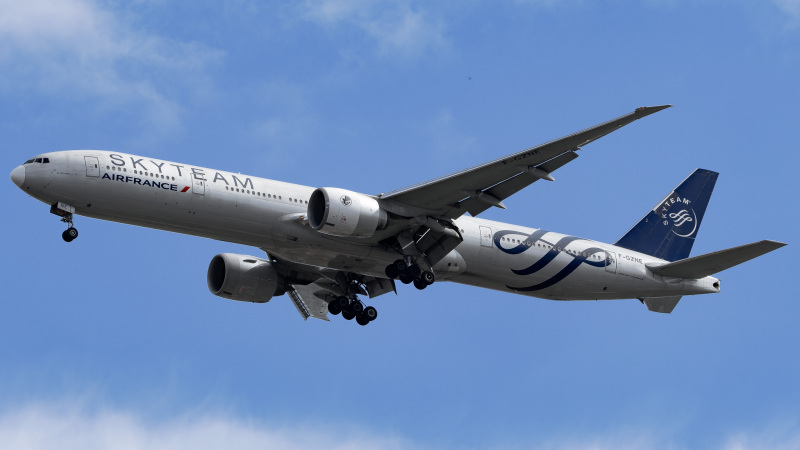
(533, 238)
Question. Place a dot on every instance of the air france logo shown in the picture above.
(144, 182)
(346, 200)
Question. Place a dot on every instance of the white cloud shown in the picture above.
(396, 27)
(789, 7)
(66, 427)
(81, 425)
(785, 436)
(75, 48)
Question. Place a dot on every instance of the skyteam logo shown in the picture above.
(681, 218)
(676, 212)
(346, 200)
(552, 250)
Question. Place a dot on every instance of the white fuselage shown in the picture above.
(267, 214)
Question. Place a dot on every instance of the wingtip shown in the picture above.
(652, 109)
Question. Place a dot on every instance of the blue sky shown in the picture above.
(114, 341)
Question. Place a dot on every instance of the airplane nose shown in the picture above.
(18, 176)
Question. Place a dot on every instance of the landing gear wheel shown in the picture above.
(333, 308)
(70, 234)
(391, 272)
(420, 284)
(427, 277)
(348, 315)
(405, 279)
(370, 313)
(413, 271)
(356, 307)
(400, 266)
(342, 303)
(362, 320)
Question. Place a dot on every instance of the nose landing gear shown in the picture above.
(65, 212)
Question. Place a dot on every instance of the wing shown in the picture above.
(477, 189)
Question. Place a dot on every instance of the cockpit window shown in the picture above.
(37, 160)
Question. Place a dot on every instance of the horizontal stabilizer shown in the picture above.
(661, 304)
(711, 263)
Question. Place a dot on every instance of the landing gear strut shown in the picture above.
(410, 272)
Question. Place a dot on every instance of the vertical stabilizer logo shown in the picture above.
(680, 218)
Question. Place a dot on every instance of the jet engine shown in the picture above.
(243, 278)
(339, 212)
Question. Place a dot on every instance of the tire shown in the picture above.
(342, 303)
(356, 307)
(405, 279)
(333, 308)
(413, 271)
(391, 272)
(428, 277)
(348, 315)
(363, 321)
(400, 266)
(370, 313)
(419, 284)
(69, 234)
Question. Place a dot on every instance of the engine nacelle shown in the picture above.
(243, 278)
(340, 212)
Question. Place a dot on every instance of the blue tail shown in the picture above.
(669, 230)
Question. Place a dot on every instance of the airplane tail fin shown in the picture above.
(669, 229)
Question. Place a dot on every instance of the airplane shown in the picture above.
(325, 248)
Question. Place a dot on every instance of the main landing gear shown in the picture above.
(409, 272)
(352, 309)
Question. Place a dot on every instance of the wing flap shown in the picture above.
(307, 303)
(711, 263)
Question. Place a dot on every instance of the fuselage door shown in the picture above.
(92, 166)
(486, 236)
(198, 185)
(611, 262)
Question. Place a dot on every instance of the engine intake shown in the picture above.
(243, 278)
(340, 212)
